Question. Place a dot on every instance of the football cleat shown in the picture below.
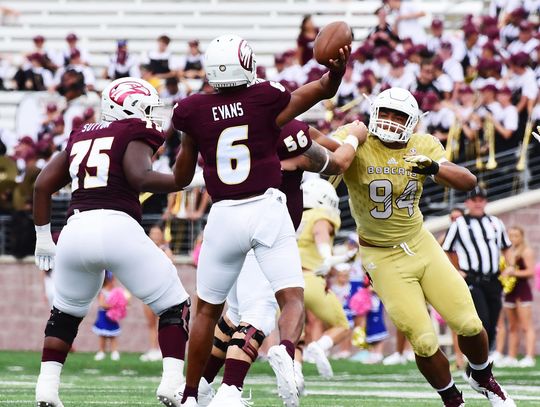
(496, 395)
(283, 367)
(167, 390)
(229, 396)
(315, 352)
(206, 393)
(49, 404)
(190, 402)
(299, 377)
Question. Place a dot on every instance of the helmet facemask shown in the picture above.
(391, 131)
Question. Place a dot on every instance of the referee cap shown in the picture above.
(477, 191)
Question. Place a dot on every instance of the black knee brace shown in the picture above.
(243, 343)
(63, 326)
(227, 330)
(176, 315)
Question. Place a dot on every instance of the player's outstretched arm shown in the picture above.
(137, 165)
(455, 176)
(308, 95)
(184, 167)
(319, 159)
(54, 176)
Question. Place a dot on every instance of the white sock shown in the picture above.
(447, 386)
(51, 369)
(325, 342)
(173, 367)
(481, 366)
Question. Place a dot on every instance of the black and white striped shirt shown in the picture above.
(478, 243)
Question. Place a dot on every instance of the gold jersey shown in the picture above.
(384, 192)
(309, 254)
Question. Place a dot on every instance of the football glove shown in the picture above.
(45, 248)
(537, 135)
(332, 261)
(422, 164)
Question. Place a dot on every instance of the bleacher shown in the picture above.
(269, 26)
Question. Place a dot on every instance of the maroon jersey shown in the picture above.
(294, 140)
(96, 152)
(237, 136)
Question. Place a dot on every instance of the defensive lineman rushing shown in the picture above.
(251, 301)
(405, 263)
(108, 164)
(236, 132)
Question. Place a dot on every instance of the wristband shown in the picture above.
(352, 141)
(40, 230)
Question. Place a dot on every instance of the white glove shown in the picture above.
(332, 261)
(45, 248)
(536, 135)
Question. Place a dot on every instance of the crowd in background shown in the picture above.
(478, 86)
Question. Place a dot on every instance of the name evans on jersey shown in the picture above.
(227, 111)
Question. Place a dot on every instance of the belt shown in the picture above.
(480, 278)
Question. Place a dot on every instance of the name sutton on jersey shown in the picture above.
(227, 111)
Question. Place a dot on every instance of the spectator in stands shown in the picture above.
(32, 75)
(174, 91)
(192, 67)
(383, 35)
(161, 61)
(398, 75)
(362, 60)
(77, 64)
(525, 41)
(72, 46)
(505, 120)
(50, 58)
(72, 88)
(443, 81)
(510, 29)
(501, 8)
(470, 124)
(438, 119)
(404, 16)
(451, 66)
(438, 37)
(381, 65)
(148, 75)
(305, 40)
(122, 63)
(425, 81)
(347, 90)
(47, 125)
(518, 302)
(472, 50)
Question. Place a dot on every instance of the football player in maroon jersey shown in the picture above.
(109, 164)
(251, 302)
(236, 131)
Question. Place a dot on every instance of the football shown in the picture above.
(330, 39)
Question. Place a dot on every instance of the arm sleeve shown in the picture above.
(450, 238)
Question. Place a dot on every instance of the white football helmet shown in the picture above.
(318, 192)
(127, 98)
(229, 61)
(396, 99)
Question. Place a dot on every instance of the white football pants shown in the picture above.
(234, 227)
(98, 240)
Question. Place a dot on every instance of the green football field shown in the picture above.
(133, 383)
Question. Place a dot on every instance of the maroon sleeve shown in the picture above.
(143, 131)
(294, 139)
(181, 113)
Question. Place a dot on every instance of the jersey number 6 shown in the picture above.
(233, 161)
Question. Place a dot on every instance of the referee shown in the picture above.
(474, 243)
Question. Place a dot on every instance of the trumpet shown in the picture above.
(489, 134)
(478, 150)
(520, 166)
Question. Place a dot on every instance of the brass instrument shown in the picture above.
(520, 166)
(452, 141)
(489, 135)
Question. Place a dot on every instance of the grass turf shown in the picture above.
(129, 382)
